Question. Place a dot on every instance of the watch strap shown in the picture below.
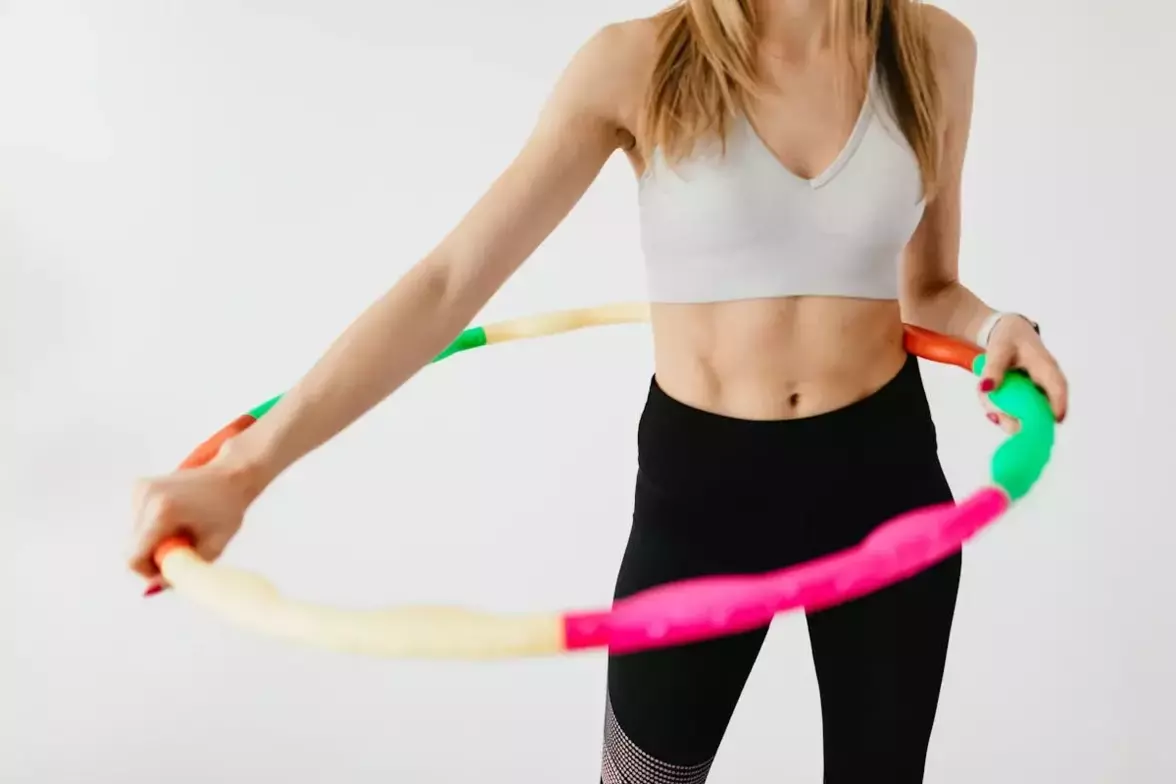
(989, 324)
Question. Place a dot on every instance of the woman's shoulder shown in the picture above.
(618, 60)
(626, 50)
(953, 45)
(632, 40)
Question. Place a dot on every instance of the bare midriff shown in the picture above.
(780, 358)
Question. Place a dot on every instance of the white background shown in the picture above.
(196, 197)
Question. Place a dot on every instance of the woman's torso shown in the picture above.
(808, 321)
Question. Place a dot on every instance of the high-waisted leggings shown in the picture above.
(718, 495)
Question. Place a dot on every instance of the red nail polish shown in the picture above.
(987, 385)
(994, 419)
(153, 589)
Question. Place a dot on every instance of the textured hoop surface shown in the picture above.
(671, 614)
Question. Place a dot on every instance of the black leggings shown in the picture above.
(717, 495)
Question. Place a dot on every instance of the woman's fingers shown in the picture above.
(998, 417)
(998, 361)
(151, 509)
(1045, 372)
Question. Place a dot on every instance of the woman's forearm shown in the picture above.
(393, 339)
(951, 309)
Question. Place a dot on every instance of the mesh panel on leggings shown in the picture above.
(622, 762)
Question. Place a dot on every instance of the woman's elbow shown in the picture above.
(924, 302)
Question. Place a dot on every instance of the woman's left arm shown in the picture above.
(932, 295)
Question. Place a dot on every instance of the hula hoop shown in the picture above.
(673, 614)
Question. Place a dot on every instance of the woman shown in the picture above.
(799, 176)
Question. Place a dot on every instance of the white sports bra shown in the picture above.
(742, 226)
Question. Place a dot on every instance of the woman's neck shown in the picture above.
(794, 30)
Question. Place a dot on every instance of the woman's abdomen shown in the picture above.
(777, 358)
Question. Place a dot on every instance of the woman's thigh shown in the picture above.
(880, 659)
(667, 709)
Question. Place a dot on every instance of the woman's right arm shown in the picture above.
(578, 130)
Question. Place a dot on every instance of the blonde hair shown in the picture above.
(706, 72)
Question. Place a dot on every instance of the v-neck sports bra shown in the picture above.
(740, 225)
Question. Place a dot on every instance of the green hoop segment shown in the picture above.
(474, 337)
(1018, 462)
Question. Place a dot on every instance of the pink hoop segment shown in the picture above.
(707, 607)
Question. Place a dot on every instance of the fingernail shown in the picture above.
(987, 385)
(994, 419)
(153, 589)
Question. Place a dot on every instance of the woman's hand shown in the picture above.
(205, 504)
(1015, 345)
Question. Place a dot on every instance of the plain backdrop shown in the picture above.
(197, 197)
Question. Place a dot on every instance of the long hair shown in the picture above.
(706, 72)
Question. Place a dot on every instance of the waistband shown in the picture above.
(679, 442)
